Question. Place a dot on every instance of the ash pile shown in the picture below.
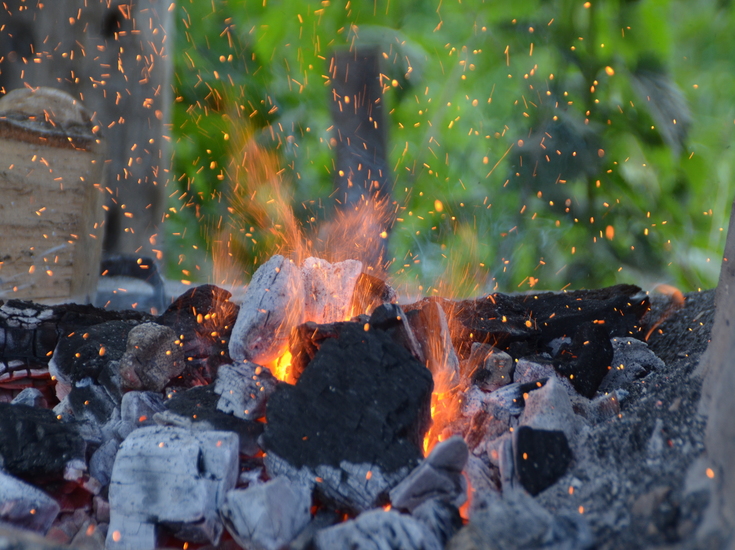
(318, 413)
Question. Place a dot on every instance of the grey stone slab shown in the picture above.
(244, 389)
(378, 530)
(172, 476)
(267, 516)
(273, 303)
(25, 506)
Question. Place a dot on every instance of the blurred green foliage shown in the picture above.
(545, 143)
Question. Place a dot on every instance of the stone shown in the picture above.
(267, 516)
(362, 400)
(489, 368)
(541, 457)
(152, 358)
(378, 530)
(244, 389)
(23, 505)
(35, 444)
(632, 359)
(328, 289)
(273, 304)
(437, 477)
(174, 477)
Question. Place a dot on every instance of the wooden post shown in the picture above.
(114, 55)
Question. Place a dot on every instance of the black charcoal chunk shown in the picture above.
(25, 506)
(586, 361)
(391, 319)
(91, 403)
(83, 353)
(541, 457)
(34, 443)
(378, 530)
(363, 398)
(267, 516)
(203, 318)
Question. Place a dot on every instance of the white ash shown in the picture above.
(632, 359)
(378, 530)
(328, 289)
(26, 506)
(269, 515)
(272, 305)
(244, 389)
(158, 466)
(549, 408)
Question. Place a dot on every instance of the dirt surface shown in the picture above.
(630, 485)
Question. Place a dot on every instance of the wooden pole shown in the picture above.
(114, 55)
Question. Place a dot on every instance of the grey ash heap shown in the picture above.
(301, 417)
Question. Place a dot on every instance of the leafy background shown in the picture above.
(537, 143)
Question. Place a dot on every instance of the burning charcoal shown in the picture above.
(153, 356)
(323, 518)
(273, 304)
(84, 353)
(429, 323)
(91, 403)
(102, 460)
(173, 477)
(31, 397)
(203, 318)
(362, 404)
(267, 516)
(196, 409)
(306, 340)
(549, 408)
(603, 406)
(26, 506)
(377, 529)
(528, 371)
(439, 476)
(632, 359)
(516, 521)
(586, 361)
(33, 443)
(244, 389)
(328, 289)
(391, 319)
(541, 457)
(441, 517)
(489, 367)
(371, 292)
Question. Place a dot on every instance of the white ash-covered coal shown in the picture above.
(319, 413)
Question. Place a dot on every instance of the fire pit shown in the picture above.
(303, 416)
